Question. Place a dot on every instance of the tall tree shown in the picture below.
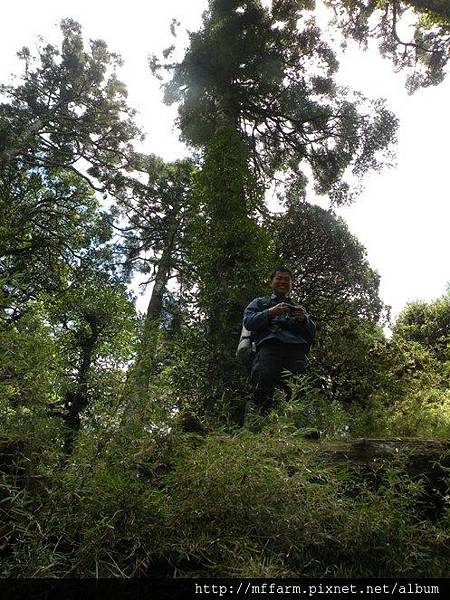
(155, 241)
(65, 121)
(265, 79)
(69, 109)
(229, 254)
(61, 281)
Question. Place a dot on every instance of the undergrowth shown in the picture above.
(236, 504)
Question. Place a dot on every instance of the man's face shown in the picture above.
(281, 283)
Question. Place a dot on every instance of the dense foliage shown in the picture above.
(121, 447)
(424, 54)
(271, 76)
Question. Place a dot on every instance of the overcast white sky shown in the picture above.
(403, 215)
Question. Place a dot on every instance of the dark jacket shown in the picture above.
(286, 329)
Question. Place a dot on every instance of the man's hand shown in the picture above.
(279, 309)
(283, 308)
(299, 314)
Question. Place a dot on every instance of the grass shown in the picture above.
(239, 504)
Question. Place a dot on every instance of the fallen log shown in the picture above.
(425, 459)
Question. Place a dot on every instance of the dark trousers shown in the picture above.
(272, 358)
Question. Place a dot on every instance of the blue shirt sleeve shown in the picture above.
(255, 317)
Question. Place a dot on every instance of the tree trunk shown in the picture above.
(143, 369)
(76, 400)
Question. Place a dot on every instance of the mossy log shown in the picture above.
(424, 459)
(419, 455)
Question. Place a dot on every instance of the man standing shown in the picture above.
(283, 333)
